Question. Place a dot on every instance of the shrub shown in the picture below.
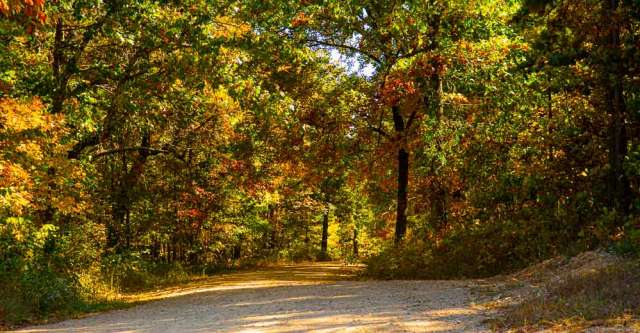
(474, 250)
(40, 268)
(130, 272)
(629, 242)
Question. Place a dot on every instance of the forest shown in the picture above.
(144, 141)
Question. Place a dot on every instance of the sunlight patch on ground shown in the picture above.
(282, 275)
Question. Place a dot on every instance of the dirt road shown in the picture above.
(300, 298)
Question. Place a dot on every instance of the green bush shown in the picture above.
(475, 250)
(629, 243)
(39, 268)
(45, 291)
(130, 272)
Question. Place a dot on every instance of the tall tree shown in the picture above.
(379, 34)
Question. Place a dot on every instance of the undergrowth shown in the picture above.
(471, 252)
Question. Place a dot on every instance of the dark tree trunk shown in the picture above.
(237, 248)
(236, 252)
(60, 82)
(155, 248)
(403, 175)
(439, 93)
(403, 181)
(112, 234)
(438, 207)
(325, 235)
(127, 229)
(618, 184)
(273, 237)
(355, 242)
(118, 228)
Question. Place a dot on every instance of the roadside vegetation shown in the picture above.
(609, 297)
(593, 291)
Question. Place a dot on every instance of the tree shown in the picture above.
(384, 35)
(597, 35)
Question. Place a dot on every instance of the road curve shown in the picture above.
(292, 298)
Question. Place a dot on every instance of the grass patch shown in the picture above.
(14, 313)
(609, 297)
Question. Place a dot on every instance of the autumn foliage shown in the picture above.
(141, 142)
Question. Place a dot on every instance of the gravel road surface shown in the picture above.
(294, 298)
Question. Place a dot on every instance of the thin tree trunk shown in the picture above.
(325, 235)
(117, 228)
(438, 207)
(127, 229)
(274, 229)
(355, 242)
(439, 94)
(155, 248)
(60, 83)
(618, 181)
(237, 249)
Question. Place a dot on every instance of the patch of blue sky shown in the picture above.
(351, 63)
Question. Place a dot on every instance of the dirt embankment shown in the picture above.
(594, 291)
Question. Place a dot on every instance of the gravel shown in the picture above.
(314, 298)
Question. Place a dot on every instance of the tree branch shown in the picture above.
(92, 140)
(148, 151)
(411, 118)
(347, 47)
(380, 131)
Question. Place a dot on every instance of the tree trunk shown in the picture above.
(155, 249)
(112, 234)
(438, 207)
(236, 252)
(403, 175)
(618, 186)
(355, 242)
(60, 84)
(237, 248)
(403, 181)
(439, 94)
(127, 229)
(272, 217)
(325, 235)
(117, 228)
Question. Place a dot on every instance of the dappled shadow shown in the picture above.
(294, 299)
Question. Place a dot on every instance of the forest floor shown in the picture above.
(319, 297)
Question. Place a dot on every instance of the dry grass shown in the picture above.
(605, 297)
